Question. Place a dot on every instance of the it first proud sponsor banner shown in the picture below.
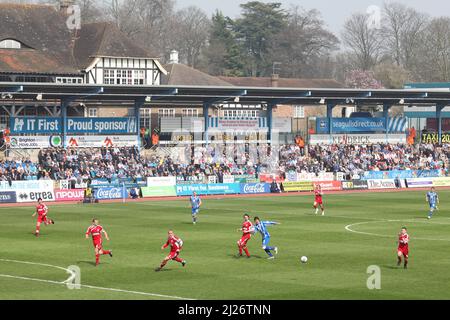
(53, 125)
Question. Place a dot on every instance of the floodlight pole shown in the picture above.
(269, 123)
(439, 108)
(330, 107)
(386, 107)
(206, 120)
(137, 113)
(64, 105)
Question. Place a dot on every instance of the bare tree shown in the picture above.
(435, 54)
(364, 41)
(304, 46)
(402, 29)
(147, 21)
(192, 28)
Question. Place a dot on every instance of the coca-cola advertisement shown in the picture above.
(110, 193)
(69, 195)
(254, 188)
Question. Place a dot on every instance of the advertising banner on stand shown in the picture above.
(110, 193)
(419, 183)
(255, 188)
(101, 141)
(381, 184)
(441, 182)
(355, 185)
(297, 186)
(34, 195)
(328, 185)
(69, 195)
(207, 189)
(161, 181)
(35, 142)
(360, 139)
(8, 197)
(159, 191)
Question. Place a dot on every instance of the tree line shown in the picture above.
(405, 46)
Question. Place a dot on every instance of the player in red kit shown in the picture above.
(318, 200)
(41, 211)
(246, 229)
(403, 247)
(96, 231)
(176, 244)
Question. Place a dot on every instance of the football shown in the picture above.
(304, 259)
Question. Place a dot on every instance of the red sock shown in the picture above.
(163, 263)
(179, 260)
(38, 228)
(240, 250)
(106, 251)
(246, 252)
(97, 259)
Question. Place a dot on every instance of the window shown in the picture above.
(193, 113)
(92, 112)
(124, 77)
(299, 112)
(241, 113)
(166, 113)
(138, 77)
(69, 80)
(146, 117)
(10, 44)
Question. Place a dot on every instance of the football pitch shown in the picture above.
(358, 231)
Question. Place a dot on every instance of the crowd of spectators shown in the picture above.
(110, 163)
(356, 159)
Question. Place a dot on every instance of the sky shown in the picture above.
(334, 12)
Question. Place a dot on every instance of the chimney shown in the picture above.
(274, 80)
(173, 57)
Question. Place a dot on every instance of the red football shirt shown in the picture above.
(41, 209)
(403, 240)
(318, 194)
(246, 227)
(95, 231)
(174, 242)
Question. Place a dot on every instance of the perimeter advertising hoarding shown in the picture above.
(159, 191)
(359, 139)
(298, 186)
(381, 184)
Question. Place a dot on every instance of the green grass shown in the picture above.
(338, 258)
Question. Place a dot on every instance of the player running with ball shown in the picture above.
(176, 244)
(96, 231)
(318, 200)
(41, 211)
(261, 227)
(433, 200)
(403, 247)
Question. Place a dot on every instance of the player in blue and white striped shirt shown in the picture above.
(196, 202)
(261, 227)
(433, 200)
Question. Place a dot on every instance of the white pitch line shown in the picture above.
(349, 228)
(81, 285)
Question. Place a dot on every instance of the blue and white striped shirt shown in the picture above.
(262, 227)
